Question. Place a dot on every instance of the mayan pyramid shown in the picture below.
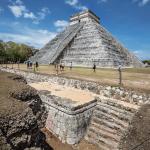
(85, 42)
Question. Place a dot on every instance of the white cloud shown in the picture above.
(19, 2)
(20, 10)
(32, 37)
(102, 1)
(141, 2)
(42, 14)
(76, 4)
(72, 2)
(17, 10)
(29, 15)
(144, 2)
(142, 54)
(1, 10)
(60, 24)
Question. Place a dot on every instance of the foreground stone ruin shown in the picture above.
(85, 42)
(102, 119)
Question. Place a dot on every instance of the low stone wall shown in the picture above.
(119, 93)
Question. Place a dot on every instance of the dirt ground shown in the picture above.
(79, 97)
(9, 105)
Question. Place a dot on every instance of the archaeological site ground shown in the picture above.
(84, 91)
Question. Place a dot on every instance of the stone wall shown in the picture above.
(67, 122)
(119, 93)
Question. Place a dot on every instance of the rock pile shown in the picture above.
(21, 130)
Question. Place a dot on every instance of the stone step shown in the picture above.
(110, 120)
(109, 124)
(110, 117)
(106, 129)
(104, 133)
(117, 112)
(94, 141)
(118, 103)
(103, 143)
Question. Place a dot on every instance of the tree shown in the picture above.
(146, 62)
(13, 51)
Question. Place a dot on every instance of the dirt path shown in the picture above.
(76, 95)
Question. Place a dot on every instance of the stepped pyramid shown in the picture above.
(85, 42)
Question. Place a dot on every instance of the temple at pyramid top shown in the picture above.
(85, 42)
(84, 16)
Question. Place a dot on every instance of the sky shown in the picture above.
(35, 22)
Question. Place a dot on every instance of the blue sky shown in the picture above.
(35, 22)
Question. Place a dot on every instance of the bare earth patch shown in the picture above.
(76, 95)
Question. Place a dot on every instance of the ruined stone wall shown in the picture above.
(103, 121)
(67, 122)
(120, 93)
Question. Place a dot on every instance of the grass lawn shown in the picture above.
(136, 78)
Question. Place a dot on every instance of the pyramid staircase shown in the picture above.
(53, 49)
(109, 123)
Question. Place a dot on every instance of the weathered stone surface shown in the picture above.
(115, 92)
(20, 129)
(85, 42)
(105, 123)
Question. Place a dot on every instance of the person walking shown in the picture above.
(71, 66)
(28, 64)
(94, 67)
(36, 65)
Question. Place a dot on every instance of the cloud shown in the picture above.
(19, 10)
(29, 15)
(72, 2)
(75, 4)
(60, 24)
(141, 2)
(1, 10)
(32, 37)
(102, 1)
(143, 55)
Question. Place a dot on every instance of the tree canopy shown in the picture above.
(12, 51)
(146, 62)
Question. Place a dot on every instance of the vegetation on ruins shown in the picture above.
(11, 51)
(146, 62)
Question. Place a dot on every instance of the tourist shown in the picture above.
(36, 65)
(60, 66)
(120, 74)
(71, 66)
(94, 67)
(28, 64)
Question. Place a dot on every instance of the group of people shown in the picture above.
(30, 65)
(58, 67)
